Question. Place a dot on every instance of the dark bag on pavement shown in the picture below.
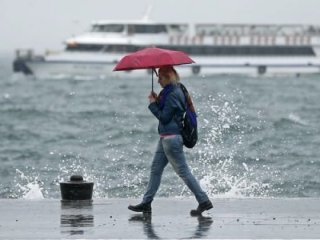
(189, 122)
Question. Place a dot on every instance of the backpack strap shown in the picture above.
(185, 92)
(188, 98)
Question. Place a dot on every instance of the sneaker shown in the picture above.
(142, 207)
(201, 208)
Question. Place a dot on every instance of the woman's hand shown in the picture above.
(152, 97)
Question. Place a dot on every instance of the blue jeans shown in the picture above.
(170, 149)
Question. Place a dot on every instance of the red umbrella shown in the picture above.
(151, 58)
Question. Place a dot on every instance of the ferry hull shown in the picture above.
(100, 70)
(69, 69)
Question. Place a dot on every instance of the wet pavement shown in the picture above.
(170, 218)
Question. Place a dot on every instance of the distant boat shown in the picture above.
(216, 49)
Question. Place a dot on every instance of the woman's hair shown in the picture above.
(170, 75)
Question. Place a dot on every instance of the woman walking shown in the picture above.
(168, 109)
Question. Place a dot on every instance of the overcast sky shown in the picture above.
(44, 24)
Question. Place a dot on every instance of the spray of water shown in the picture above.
(224, 171)
(28, 187)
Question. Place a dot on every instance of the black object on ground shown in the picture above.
(76, 189)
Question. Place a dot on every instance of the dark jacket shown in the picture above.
(170, 116)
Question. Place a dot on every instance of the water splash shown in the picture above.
(28, 187)
(221, 183)
(117, 178)
(75, 164)
(224, 173)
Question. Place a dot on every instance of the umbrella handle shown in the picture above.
(152, 80)
(153, 70)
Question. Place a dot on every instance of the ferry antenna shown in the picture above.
(146, 15)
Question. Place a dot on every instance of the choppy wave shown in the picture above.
(289, 120)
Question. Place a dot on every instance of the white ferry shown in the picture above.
(216, 49)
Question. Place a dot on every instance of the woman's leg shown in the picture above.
(158, 164)
(173, 148)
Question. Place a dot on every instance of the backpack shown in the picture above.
(189, 121)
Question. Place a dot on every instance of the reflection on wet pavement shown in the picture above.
(203, 227)
(76, 217)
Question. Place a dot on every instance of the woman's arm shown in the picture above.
(167, 113)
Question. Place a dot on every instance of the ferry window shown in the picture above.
(159, 28)
(178, 28)
(202, 50)
(86, 47)
(115, 28)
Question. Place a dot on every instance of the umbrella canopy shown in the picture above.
(151, 58)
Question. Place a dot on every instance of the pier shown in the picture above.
(170, 218)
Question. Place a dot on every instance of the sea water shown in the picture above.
(258, 136)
